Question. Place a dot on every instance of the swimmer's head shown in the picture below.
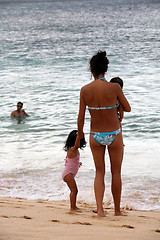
(19, 104)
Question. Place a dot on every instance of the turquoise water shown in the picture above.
(45, 48)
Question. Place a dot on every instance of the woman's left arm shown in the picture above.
(81, 115)
(25, 114)
(123, 100)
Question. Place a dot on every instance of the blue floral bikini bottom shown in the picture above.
(105, 138)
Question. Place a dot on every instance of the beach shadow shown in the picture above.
(74, 213)
(128, 226)
(144, 217)
(82, 223)
(26, 217)
(55, 221)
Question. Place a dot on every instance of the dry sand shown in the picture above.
(22, 219)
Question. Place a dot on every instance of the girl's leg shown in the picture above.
(69, 179)
(98, 152)
(116, 156)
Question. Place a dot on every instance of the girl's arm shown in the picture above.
(72, 152)
(77, 143)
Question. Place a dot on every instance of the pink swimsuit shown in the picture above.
(71, 166)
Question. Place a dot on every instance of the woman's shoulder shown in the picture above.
(87, 87)
(114, 85)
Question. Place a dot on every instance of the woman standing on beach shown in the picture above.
(101, 98)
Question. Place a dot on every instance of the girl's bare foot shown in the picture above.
(76, 209)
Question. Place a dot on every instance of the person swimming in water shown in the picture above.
(19, 112)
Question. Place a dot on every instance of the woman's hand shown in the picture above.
(80, 135)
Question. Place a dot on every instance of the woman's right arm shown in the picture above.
(123, 100)
(81, 115)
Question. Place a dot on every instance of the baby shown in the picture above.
(120, 108)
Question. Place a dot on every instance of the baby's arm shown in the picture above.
(121, 112)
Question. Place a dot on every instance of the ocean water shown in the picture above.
(45, 47)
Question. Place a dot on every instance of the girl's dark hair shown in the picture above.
(117, 80)
(70, 142)
(99, 63)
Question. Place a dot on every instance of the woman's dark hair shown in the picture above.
(99, 63)
(117, 80)
(71, 141)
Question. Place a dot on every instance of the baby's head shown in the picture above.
(117, 80)
(70, 142)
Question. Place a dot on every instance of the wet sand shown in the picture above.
(22, 219)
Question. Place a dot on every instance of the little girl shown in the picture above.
(72, 165)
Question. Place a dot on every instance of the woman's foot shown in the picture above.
(119, 213)
(101, 214)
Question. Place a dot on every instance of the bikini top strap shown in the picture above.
(102, 108)
(103, 79)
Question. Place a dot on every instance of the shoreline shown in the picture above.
(38, 219)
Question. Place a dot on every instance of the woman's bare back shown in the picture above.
(102, 94)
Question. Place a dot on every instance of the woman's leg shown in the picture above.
(115, 150)
(69, 179)
(98, 152)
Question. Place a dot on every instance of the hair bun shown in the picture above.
(99, 63)
(102, 54)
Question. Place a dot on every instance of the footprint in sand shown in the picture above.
(74, 213)
(26, 217)
(128, 226)
(82, 223)
(55, 220)
(94, 211)
(143, 216)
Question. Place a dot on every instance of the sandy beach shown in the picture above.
(22, 219)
